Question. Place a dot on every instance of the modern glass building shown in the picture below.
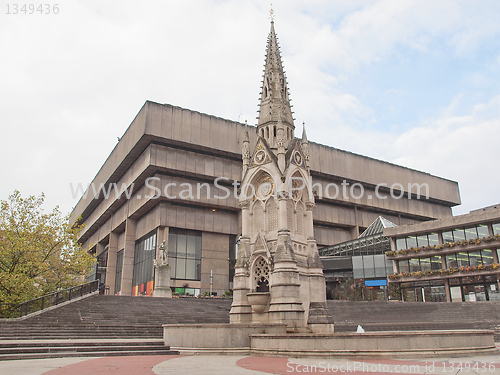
(358, 269)
(454, 259)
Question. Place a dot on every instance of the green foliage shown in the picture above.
(227, 294)
(39, 252)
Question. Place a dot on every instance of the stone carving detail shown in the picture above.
(261, 275)
(258, 216)
(272, 215)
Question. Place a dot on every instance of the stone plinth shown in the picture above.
(162, 284)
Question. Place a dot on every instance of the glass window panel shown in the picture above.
(433, 239)
(198, 247)
(404, 266)
(368, 265)
(190, 269)
(181, 245)
(191, 247)
(389, 269)
(496, 228)
(198, 269)
(172, 245)
(470, 233)
(459, 235)
(475, 258)
(436, 262)
(401, 244)
(411, 241)
(357, 267)
(414, 265)
(180, 268)
(422, 240)
(447, 237)
(379, 261)
(425, 264)
(463, 259)
(451, 261)
(482, 231)
(487, 256)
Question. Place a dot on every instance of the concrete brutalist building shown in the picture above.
(168, 160)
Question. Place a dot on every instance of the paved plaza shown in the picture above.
(246, 365)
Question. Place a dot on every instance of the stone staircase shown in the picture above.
(119, 325)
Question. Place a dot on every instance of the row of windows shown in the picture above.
(465, 259)
(119, 269)
(371, 266)
(459, 234)
(184, 253)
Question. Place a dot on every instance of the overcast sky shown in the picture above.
(416, 83)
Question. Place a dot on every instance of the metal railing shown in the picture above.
(11, 310)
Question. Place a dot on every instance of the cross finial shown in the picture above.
(272, 13)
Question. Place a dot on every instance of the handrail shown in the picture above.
(12, 310)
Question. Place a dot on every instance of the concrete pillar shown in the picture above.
(447, 290)
(128, 257)
(111, 267)
(282, 222)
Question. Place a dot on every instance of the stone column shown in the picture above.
(162, 267)
(128, 257)
(241, 310)
(111, 267)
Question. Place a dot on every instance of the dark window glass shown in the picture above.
(475, 258)
(404, 266)
(487, 256)
(482, 231)
(422, 240)
(436, 262)
(451, 261)
(425, 264)
(184, 252)
(433, 239)
(401, 244)
(119, 268)
(470, 233)
(463, 259)
(447, 237)
(411, 241)
(414, 265)
(459, 235)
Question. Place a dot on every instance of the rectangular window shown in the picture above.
(436, 262)
(487, 256)
(475, 258)
(433, 239)
(184, 253)
(118, 274)
(458, 235)
(425, 264)
(422, 240)
(462, 259)
(414, 265)
(470, 233)
(369, 266)
(451, 260)
(496, 229)
(401, 244)
(144, 256)
(482, 231)
(404, 266)
(379, 261)
(447, 237)
(411, 241)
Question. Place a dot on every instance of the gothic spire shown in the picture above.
(274, 97)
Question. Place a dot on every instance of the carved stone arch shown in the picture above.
(298, 181)
(272, 214)
(260, 274)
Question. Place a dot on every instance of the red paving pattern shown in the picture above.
(136, 365)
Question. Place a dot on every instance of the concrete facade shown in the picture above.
(166, 146)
